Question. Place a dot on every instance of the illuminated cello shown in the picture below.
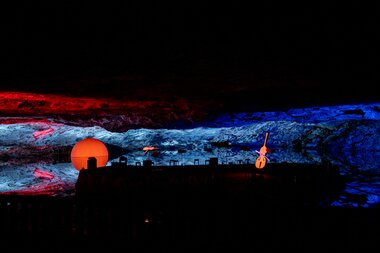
(262, 159)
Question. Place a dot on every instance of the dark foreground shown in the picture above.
(185, 211)
(234, 223)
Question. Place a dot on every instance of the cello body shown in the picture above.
(262, 159)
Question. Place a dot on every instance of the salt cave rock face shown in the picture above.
(346, 136)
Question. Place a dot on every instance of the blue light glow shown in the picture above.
(346, 136)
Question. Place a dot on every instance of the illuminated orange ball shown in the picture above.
(86, 148)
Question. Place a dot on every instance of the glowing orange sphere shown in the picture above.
(86, 148)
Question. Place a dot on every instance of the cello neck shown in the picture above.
(266, 138)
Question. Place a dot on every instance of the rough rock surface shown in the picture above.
(346, 135)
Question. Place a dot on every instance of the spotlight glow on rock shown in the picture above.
(86, 148)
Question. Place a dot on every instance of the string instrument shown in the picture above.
(262, 159)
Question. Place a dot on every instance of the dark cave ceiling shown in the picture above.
(285, 55)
